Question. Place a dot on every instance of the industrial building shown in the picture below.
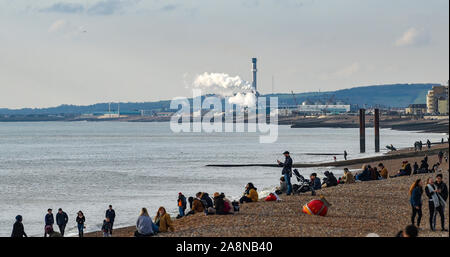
(321, 108)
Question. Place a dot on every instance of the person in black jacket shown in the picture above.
(415, 193)
(61, 220)
(18, 229)
(181, 203)
(80, 223)
(287, 171)
(219, 204)
(49, 221)
(433, 202)
(111, 214)
(365, 174)
(329, 180)
(442, 190)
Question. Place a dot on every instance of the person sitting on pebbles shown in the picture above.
(163, 220)
(195, 204)
(221, 206)
(406, 170)
(282, 188)
(348, 177)
(250, 194)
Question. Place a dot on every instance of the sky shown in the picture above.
(83, 52)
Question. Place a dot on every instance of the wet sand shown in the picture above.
(380, 207)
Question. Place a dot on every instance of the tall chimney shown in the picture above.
(254, 70)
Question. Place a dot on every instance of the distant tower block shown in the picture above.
(254, 70)
(362, 130)
(377, 130)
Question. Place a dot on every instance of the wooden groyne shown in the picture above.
(389, 156)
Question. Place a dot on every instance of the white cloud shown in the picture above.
(57, 26)
(348, 71)
(413, 37)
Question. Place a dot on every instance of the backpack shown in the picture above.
(235, 205)
(226, 207)
(270, 198)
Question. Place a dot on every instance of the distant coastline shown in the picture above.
(340, 121)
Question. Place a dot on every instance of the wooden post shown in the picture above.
(362, 130)
(377, 130)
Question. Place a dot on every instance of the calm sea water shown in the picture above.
(89, 165)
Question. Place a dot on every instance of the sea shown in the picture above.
(89, 165)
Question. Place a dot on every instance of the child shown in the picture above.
(107, 227)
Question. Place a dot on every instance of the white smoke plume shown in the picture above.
(239, 90)
(243, 99)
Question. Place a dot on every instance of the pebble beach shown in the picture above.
(381, 207)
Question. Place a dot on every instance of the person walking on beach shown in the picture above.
(287, 171)
(428, 144)
(144, 225)
(80, 223)
(49, 221)
(440, 156)
(107, 227)
(442, 190)
(433, 202)
(61, 220)
(415, 193)
(18, 229)
(181, 204)
(345, 154)
(111, 214)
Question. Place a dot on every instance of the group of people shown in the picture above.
(436, 191)
(146, 227)
(314, 183)
(369, 173)
(219, 204)
(437, 194)
(425, 167)
(62, 219)
(418, 145)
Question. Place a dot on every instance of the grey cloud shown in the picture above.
(169, 7)
(64, 8)
(109, 7)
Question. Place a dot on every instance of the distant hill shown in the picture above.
(396, 95)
